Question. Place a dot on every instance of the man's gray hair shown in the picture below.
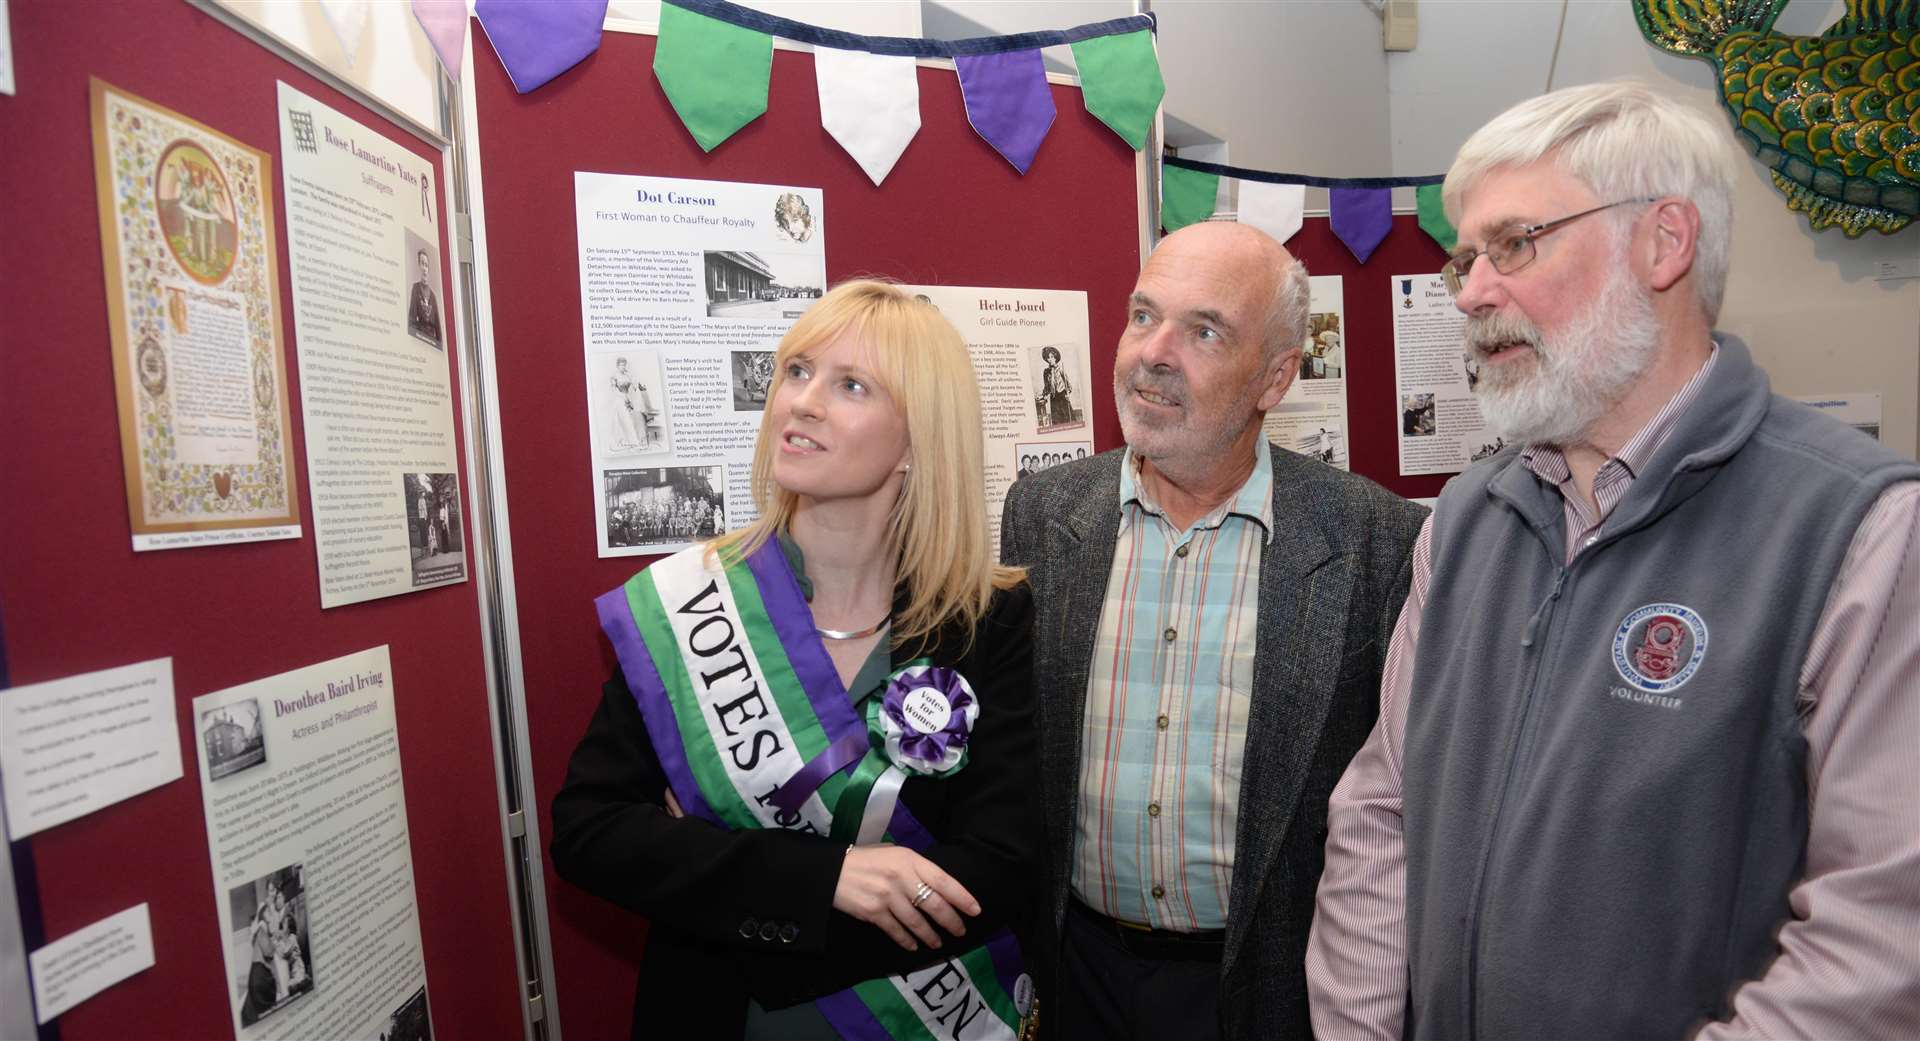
(1621, 140)
(1287, 316)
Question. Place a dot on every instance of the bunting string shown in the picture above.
(1359, 208)
(909, 46)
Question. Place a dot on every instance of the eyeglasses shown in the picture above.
(1512, 248)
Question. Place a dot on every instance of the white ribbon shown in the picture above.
(875, 819)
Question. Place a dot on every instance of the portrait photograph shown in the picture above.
(436, 551)
(422, 267)
(751, 377)
(628, 405)
(1059, 389)
(269, 947)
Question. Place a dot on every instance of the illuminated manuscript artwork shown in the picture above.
(186, 239)
(1836, 117)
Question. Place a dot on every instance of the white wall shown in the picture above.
(1806, 303)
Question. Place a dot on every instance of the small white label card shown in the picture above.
(71, 746)
(83, 963)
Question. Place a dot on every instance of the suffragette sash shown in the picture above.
(739, 696)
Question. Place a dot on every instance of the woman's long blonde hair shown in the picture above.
(937, 530)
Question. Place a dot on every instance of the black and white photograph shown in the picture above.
(664, 505)
(628, 403)
(1322, 441)
(269, 938)
(1417, 415)
(1059, 389)
(1034, 456)
(762, 285)
(409, 1022)
(752, 376)
(434, 545)
(793, 218)
(423, 294)
(1324, 356)
(1487, 448)
(234, 738)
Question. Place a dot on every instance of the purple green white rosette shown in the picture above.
(923, 721)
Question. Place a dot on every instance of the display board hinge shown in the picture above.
(517, 824)
(537, 1008)
(463, 236)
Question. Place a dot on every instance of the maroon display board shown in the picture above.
(1373, 414)
(952, 212)
(77, 598)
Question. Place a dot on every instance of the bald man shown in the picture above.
(1212, 612)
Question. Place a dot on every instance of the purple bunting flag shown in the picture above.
(538, 41)
(1008, 102)
(445, 23)
(1361, 218)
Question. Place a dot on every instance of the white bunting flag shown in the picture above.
(870, 103)
(348, 18)
(1276, 209)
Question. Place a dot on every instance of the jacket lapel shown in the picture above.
(1304, 596)
(1081, 549)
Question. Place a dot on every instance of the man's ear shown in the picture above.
(1279, 375)
(1673, 237)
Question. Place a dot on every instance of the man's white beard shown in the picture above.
(1577, 374)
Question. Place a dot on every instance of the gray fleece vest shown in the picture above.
(1605, 782)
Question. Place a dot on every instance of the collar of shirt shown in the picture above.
(1549, 464)
(1253, 500)
(879, 664)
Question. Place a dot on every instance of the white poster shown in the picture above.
(1312, 418)
(364, 240)
(312, 867)
(685, 290)
(1441, 430)
(71, 746)
(1031, 357)
(1859, 411)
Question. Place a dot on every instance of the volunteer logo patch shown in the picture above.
(1659, 647)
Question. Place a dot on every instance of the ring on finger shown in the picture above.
(921, 894)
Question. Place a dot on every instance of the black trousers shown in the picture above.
(1120, 984)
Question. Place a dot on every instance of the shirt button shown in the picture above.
(749, 928)
(789, 933)
(1169, 634)
(1182, 551)
(769, 930)
(1161, 722)
(1591, 539)
(1153, 809)
(1159, 892)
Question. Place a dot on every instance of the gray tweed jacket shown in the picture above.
(1332, 581)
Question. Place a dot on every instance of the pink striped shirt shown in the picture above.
(1849, 958)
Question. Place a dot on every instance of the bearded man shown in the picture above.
(1644, 760)
(1211, 614)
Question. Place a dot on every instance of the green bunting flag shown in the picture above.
(1186, 196)
(1120, 83)
(1433, 216)
(715, 73)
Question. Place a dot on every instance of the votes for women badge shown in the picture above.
(924, 719)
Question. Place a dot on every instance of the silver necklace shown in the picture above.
(852, 634)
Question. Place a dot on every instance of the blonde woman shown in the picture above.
(816, 767)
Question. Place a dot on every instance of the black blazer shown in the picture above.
(1332, 581)
(711, 893)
